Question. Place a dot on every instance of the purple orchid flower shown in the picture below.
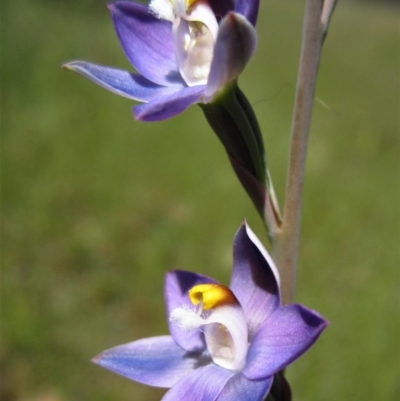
(225, 343)
(192, 51)
(186, 51)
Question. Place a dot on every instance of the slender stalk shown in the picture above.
(287, 240)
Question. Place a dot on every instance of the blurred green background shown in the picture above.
(96, 206)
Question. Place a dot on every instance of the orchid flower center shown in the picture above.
(194, 31)
(217, 312)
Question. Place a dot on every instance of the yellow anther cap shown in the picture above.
(211, 295)
(190, 2)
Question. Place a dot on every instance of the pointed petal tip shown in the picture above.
(312, 318)
(99, 359)
(244, 226)
(142, 116)
(232, 17)
(254, 239)
(67, 66)
(71, 65)
(112, 7)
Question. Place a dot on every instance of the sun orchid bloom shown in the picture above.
(225, 343)
(185, 52)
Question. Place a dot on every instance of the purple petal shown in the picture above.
(156, 361)
(253, 279)
(203, 384)
(123, 83)
(240, 388)
(176, 287)
(147, 42)
(236, 42)
(168, 106)
(282, 338)
(248, 8)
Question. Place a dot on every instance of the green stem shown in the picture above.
(285, 248)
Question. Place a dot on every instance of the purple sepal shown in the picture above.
(123, 83)
(253, 280)
(168, 106)
(155, 361)
(281, 339)
(248, 8)
(203, 384)
(240, 388)
(236, 42)
(147, 42)
(176, 288)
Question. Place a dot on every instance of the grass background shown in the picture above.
(96, 207)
